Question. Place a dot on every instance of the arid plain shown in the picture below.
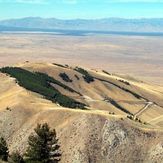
(138, 56)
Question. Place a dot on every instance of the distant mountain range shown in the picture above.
(108, 24)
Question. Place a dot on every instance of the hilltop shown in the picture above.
(113, 118)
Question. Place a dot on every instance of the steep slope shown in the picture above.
(92, 135)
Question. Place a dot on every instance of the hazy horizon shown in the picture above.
(81, 9)
(41, 17)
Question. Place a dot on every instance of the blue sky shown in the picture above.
(88, 9)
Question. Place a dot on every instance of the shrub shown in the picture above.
(65, 77)
(16, 158)
(112, 113)
(77, 77)
(114, 103)
(106, 72)
(3, 149)
(86, 76)
(9, 109)
(125, 82)
(140, 121)
(130, 117)
(59, 65)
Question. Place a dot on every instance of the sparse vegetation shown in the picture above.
(122, 88)
(136, 119)
(65, 77)
(15, 157)
(86, 76)
(125, 82)
(3, 149)
(41, 83)
(56, 64)
(112, 113)
(77, 77)
(43, 146)
(130, 117)
(113, 102)
(9, 109)
(106, 72)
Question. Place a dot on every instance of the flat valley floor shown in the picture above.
(138, 56)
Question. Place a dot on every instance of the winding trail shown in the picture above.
(149, 104)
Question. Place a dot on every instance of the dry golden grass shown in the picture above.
(85, 135)
(95, 93)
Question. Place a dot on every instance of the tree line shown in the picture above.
(41, 83)
(86, 76)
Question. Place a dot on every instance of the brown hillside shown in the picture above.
(92, 135)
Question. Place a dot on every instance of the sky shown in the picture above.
(84, 9)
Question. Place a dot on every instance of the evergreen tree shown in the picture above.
(16, 158)
(3, 149)
(43, 145)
